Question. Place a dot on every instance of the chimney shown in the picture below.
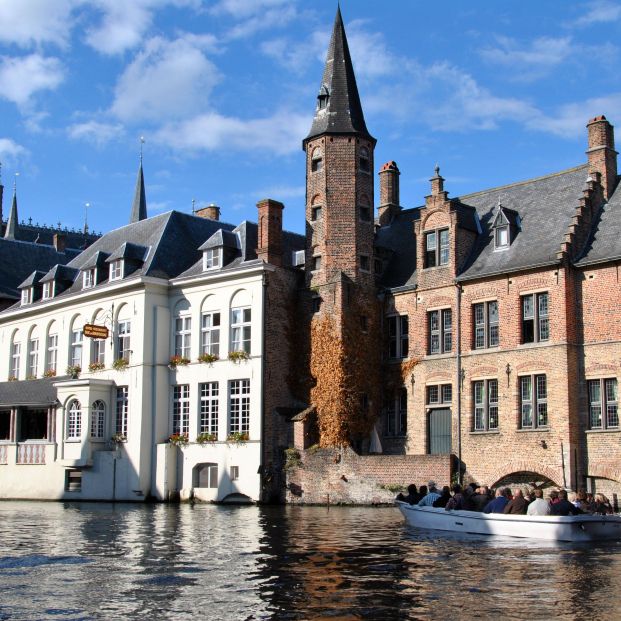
(60, 242)
(389, 192)
(601, 153)
(211, 212)
(270, 231)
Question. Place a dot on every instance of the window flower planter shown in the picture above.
(208, 358)
(237, 356)
(118, 438)
(49, 373)
(206, 438)
(74, 370)
(93, 367)
(178, 361)
(238, 437)
(178, 439)
(120, 364)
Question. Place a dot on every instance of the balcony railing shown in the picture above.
(31, 453)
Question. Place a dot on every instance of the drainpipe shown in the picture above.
(262, 372)
(458, 375)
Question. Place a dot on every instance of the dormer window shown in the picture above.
(48, 290)
(27, 295)
(316, 160)
(88, 279)
(506, 223)
(364, 161)
(116, 269)
(212, 258)
(322, 98)
(437, 248)
(501, 237)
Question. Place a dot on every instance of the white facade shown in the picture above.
(66, 450)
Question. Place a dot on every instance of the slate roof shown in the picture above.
(221, 239)
(343, 112)
(33, 393)
(139, 206)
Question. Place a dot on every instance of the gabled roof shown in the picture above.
(97, 260)
(221, 239)
(33, 279)
(342, 113)
(129, 251)
(60, 273)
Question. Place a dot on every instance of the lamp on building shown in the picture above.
(412, 381)
(543, 444)
(462, 376)
(508, 372)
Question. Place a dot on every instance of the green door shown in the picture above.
(440, 431)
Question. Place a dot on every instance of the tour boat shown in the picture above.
(549, 527)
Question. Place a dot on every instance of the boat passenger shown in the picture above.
(412, 495)
(581, 501)
(602, 505)
(456, 503)
(518, 505)
(431, 497)
(563, 506)
(445, 496)
(500, 502)
(468, 492)
(480, 498)
(539, 506)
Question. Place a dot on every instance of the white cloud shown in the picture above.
(281, 192)
(532, 61)
(95, 132)
(242, 9)
(33, 22)
(22, 77)
(370, 54)
(11, 152)
(168, 79)
(297, 55)
(601, 11)
(280, 134)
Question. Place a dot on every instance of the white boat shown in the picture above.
(548, 527)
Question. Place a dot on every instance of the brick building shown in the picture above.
(498, 310)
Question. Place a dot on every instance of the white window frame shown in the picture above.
(98, 420)
(241, 329)
(183, 336)
(209, 393)
(486, 329)
(75, 350)
(88, 278)
(51, 362)
(121, 420)
(437, 253)
(48, 290)
(443, 331)
(539, 314)
(212, 259)
(33, 357)
(536, 403)
(98, 351)
(16, 355)
(123, 339)
(606, 403)
(239, 406)
(499, 243)
(27, 296)
(181, 409)
(210, 333)
(74, 420)
(485, 400)
(116, 269)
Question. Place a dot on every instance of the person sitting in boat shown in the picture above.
(500, 502)
(431, 496)
(581, 501)
(539, 506)
(602, 505)
(412, 495)
(480, 498)
(456, 503)
(518, 504)
(467, 493)
(562, 506)
(445, 496)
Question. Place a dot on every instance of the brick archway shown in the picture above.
(515, 467)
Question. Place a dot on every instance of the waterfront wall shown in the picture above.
(341, 476)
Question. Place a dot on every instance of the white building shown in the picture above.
(183, 299)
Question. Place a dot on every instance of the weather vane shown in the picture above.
(86, 206)
(15, 182)
(141, 143)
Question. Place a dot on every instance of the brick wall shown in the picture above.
(334, 476)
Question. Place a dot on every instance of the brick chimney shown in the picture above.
(211, 212)
(389, 192)
(601, 153)
(270, 231)
(60, 242)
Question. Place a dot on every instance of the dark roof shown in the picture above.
(33, 279)
(97, 260)
(19, 259)
(11, 225)
(60, 273)
(220, 239)
(34, 393)
(139, 206)
(127, 250)
(605, 241)
(343, 111)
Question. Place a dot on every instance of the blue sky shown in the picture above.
(224, 91)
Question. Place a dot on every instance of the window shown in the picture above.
(210, 333)
(378, 266)
(27, 295)
(122, 411)
(52, 353)
(365, 263)
(316, 263)
(501, 237)
(534, 401)
(123, 340)
(603, 404)
(183, 333)
(316, 158)
(439, 394)
(440, 331)
(16, 349)
(209, 407)
(98, 420)
(88, 279)
(74, 420)
(98, 351)
(364, 213)
(398, 336)
(181, 410)
(436, 248)
(239, 406)
(485, 325)
(485, 405)
(316, 304)
(364, 161)
(33, 357)
(316, 213)
(48, 290)
(73, 480)
(535, 324)
(116, 269)
(208, 476)
(240, 329)
(234, 473)
(397, 414)
(212, 258)
(75, 354)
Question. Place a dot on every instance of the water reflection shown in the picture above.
(104, 561)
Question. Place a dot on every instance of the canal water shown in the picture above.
(79, 561)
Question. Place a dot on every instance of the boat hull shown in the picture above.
(550, 528)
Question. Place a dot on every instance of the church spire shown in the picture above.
(139, 206)
(338, 104)
(11, 225)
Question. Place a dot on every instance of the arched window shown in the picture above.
(316, 160)
(316, 208)
(241, 322)
(123, 333)
(33, 354)
(15, 356)
(210, 328)
(98, 419)
(74, 420)
(364, 161)
(75, 345)
(183, 329)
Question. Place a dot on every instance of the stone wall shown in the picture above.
(341, 476)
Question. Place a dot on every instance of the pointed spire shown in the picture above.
(1, 195)
(139, 206)
(11, 225)
(338, 104)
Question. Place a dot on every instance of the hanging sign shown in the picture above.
(95, 332)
